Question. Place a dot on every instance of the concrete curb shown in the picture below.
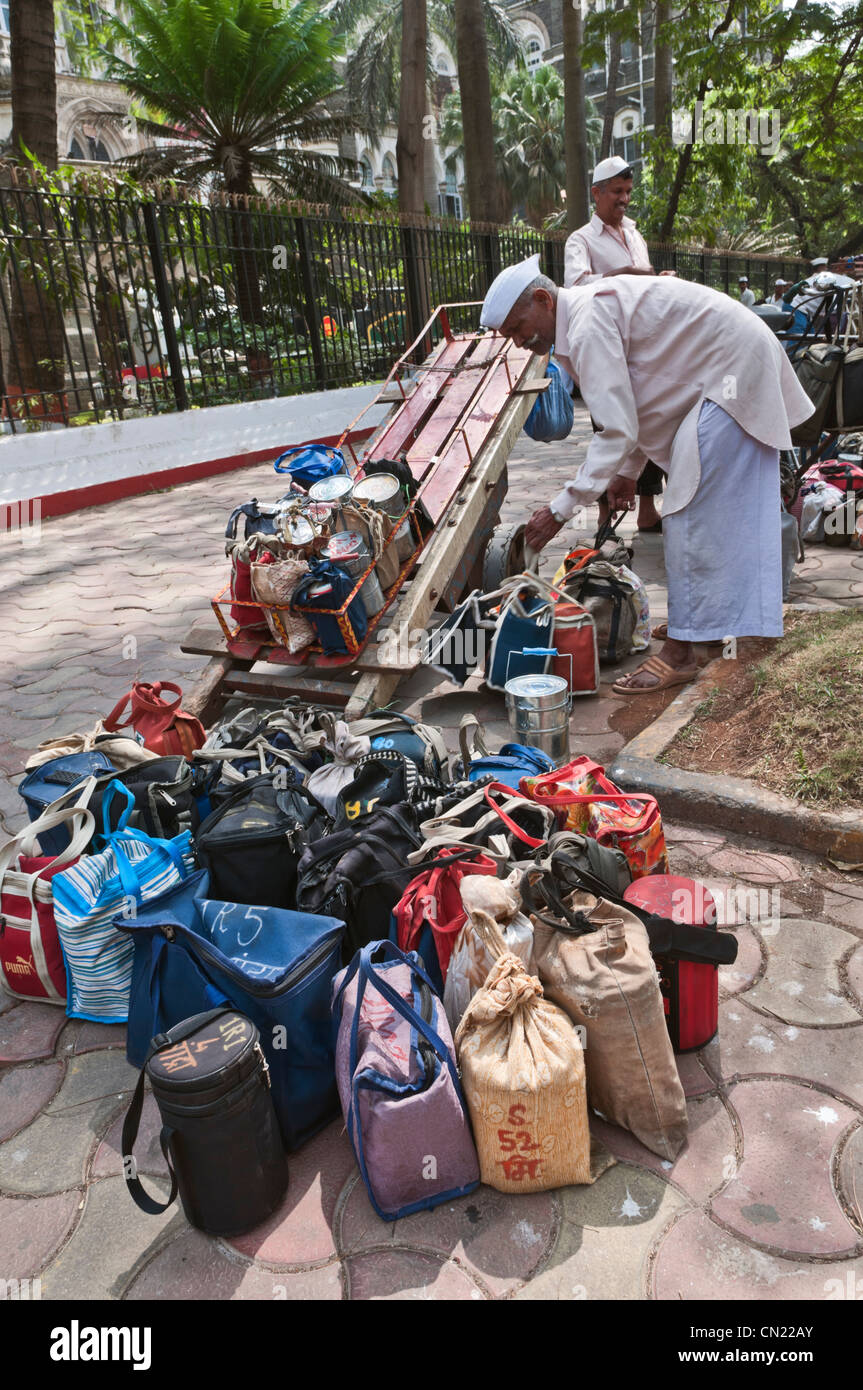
(729, 803)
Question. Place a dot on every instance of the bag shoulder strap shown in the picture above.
(132, 1120)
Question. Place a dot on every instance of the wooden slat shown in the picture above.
(477, 426)
(280, 682)
(453, 406)
(400, 432)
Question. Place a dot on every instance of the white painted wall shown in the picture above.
(45, 463)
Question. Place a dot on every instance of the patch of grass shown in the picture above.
(707, 707)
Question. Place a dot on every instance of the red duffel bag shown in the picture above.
(162, 727)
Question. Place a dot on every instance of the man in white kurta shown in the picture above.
(682, 374)
(611, 244)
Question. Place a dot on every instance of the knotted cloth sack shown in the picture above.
(471, 960)
(327, 781)
(522, 1070)
(607, 982)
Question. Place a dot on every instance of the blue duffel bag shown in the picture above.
(552, 414)
(311, 463)
(44, 785)
(322, 591)
(508, 765)
(193, 953)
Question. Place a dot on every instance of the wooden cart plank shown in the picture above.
(443, 553)
(461, 391)
(280, 683)
(408, 419)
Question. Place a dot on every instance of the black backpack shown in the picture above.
(359, 874)
(252, 844)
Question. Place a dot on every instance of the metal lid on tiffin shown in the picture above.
(332, 489)
(346, 545)
(378, 487)
(543, 692)
(299, 530)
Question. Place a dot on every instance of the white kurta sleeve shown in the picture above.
(576, 263)
(597, 355)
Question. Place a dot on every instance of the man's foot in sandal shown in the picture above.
(660, 633)
(675, 665)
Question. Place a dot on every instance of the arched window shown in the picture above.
(442, 64)
(389, 172)
(366, 169)
(533, 53)
(88, 147)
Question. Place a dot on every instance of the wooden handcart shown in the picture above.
(454, 421)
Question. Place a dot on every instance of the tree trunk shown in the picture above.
(610, 91)
(250, 304)
(36, 365)
(575, 129)
(483, 197)
(663, 94)
(410, 146)
(34, 80)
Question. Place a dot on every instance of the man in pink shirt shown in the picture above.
(682, 374)
(610, 244)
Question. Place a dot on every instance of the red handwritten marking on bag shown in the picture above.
(381, 1018)
(520, 1145)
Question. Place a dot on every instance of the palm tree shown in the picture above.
(34, 80)
(412, 108)
(530, 160)
(373, 74)
(474, 82)
(236, 91)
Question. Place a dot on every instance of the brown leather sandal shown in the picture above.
(666, 677)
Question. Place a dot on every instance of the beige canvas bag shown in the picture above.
(124, 751)
(607, 982)
(522, 1071)
(472, 958)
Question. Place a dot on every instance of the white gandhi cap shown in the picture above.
(608, 168)
(505, 290)
(819, 260)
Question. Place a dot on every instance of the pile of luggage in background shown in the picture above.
(298, 917)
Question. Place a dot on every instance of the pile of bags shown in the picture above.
(299, 916)
(829, 503)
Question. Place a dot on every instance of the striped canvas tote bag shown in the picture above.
(132, 869)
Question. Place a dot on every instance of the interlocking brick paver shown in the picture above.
(31, 1030)
(32, 1228)
(605, 1237)
(855, 975)
(850, 1177)
(500, 1238)
(700, 1260)
(782, 1195)
(95, 1264)
(406, 1274)
(749, 1043)
(24, 1093)
(733, 979)
(703, 1164)
(195, 1266)
(694, 1078)
(94, 1076)
(756, 866)
(801, 983)
(844, 911)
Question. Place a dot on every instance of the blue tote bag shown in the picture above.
(102, 888)
(311, 463)
(552, 413)
(192, 953)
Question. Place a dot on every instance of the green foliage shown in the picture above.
(372, 30)
(234, 90)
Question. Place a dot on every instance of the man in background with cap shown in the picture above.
(692, 378)
(747, 296)
(779, 288)
(611, 244)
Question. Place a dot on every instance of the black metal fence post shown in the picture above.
(311, 316)
(166, 308)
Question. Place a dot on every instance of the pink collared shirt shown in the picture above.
(645, 352)
(596, 248)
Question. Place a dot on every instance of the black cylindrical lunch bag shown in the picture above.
(220, 1135)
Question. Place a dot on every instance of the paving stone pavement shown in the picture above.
(764, 1202)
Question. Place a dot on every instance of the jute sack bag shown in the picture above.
(522, 1071)
(606, 981)
(472, 958)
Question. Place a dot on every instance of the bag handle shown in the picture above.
(587, 768)
(368, 972)
(132, 1120)
(507, 820)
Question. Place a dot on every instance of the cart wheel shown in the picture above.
(504, 555)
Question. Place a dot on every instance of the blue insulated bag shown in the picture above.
(326, 586)
(45, 784)
(522, 644)
(552, 414)
(311, 463)
(192, 953)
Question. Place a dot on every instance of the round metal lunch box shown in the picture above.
(383, 492)
(538, 709)
(349, 550)
(335, 493)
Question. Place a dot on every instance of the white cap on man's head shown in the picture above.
(743, 279)
(610, 168)
(780, 281)
(505, 289)
(819, 260)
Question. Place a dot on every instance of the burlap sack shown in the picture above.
(606, 981)
(522, 1071)
(274, 585)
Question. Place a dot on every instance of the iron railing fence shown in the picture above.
(113, 306)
